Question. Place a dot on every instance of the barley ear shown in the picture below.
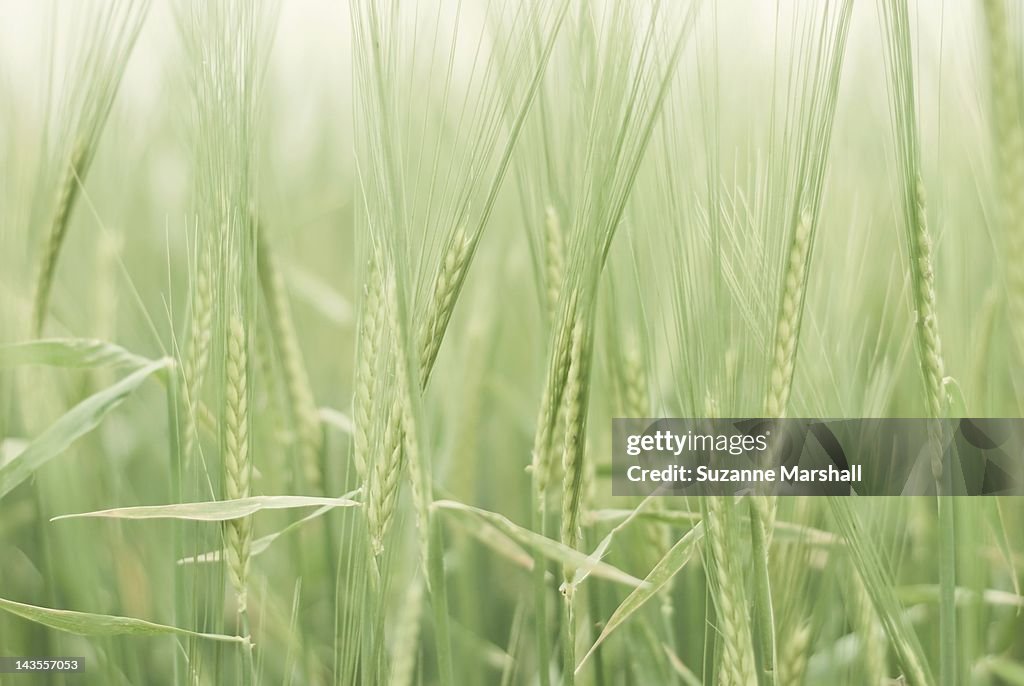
(237, 462)
(384, 469)
(634, 385)
(793, 659)
(737, 665)
(932, 365)
(300, 394)
(554, 258)
(197, 353)
(64, 203)
(787, 327)
(384, 479)
(366, 368)
(551, 404)
(450, 274)
(418, 478)
(573, 451)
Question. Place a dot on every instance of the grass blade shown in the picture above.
(89, 624)
(259, 545)
(547, 547)
(75, 423)
(77, 353)
(215, 510)
(869, 566)
(262, 543)
(675, 559)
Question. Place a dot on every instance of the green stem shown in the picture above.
(540, 598)
(177, 549)
(594, 607)
(569, 640)
(764, 619)
(947, 586)
(439, 602)
(248, 664)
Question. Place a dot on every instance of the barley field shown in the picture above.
(314, 316)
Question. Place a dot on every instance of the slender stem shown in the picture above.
(947, 587)
(569, 640)
(177, 548)
(439, 603)
(248, 664)
(764, 619)
(540, 597)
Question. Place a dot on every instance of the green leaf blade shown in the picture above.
(72, 425)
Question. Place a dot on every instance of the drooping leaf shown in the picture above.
(75, 423)
(602, 548)
(877, 581)
(668, 566)
(215, 510)
(788, 532)
(89, 624)
(550, 549)
(78, 353)
(262, 543)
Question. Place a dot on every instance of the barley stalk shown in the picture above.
(896, 21)
(300, 394)
(237, 462)
(762, 507)
(407, 636)
(762, 517)
(541, 467)
(450, 274)
(574, 478)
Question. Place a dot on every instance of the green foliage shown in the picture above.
(419, 254)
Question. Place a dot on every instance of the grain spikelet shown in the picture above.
(296, 380)
(237, 463)
(787, 328)
(446, 285)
